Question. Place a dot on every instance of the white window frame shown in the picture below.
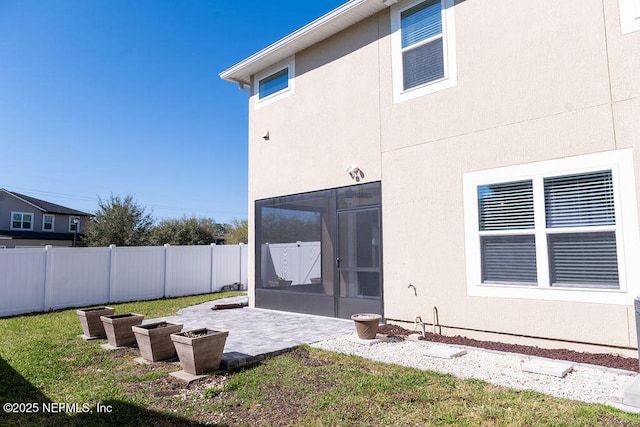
(450, 78)
(620, 162)
(22, 220)
(53, 222)
(629, 16)
(71, 224)
(290, 65)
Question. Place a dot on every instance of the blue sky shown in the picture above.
(101, 97)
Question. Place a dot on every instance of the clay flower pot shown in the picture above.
(92, 326)
(154, 340)
(366, 325)
(118, 328)
(200, 350)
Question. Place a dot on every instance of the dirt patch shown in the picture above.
(608, 360)
(302, 356)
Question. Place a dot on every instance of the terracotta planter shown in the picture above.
(92, 326)
(118, 328)
(366, 325)
(200, 350)
(154, 340)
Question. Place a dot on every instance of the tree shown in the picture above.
(186, 231)
(282, 228)
(119, 222)
(237, 231)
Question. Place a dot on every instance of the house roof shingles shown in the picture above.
(45, 206)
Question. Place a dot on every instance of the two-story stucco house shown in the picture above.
(26, 221)
(473, 163)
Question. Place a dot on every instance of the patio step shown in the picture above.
(444, 352)
(547, 367)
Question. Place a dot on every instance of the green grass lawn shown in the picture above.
(43, 364)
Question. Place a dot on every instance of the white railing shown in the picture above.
(40, 279)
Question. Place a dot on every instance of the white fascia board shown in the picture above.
(324, 27)
(22, 200)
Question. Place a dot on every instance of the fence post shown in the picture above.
(212, 261)
(48, 267)
(111, 290)
(240, 272)
(166, 268)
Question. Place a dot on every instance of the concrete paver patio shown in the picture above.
(254, 333)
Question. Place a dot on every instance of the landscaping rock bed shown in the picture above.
(608, 360)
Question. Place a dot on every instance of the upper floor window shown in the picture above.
(546, 229)
(275, 83)
(423, 38)
(48, 222)
(74, 224)
(21, 221)
(629, 16)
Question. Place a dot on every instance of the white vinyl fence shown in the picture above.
(40, 279)
(299, 262)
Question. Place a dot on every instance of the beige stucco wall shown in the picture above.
(536, 81)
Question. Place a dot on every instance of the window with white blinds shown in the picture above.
(422, 54)
(564, 229)
(575, 206)
(578, 231)
(579, 200)
(506, 206)
(508, 246)
(423, 40)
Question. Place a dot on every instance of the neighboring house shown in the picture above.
(29, 222)
(478, 157)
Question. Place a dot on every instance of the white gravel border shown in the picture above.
(586, 383)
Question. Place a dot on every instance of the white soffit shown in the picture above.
(324, 27)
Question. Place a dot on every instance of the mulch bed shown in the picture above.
(608, 360)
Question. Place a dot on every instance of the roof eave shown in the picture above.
(322, 28)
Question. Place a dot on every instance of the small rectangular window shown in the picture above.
(274, 83)
(48, 222)
(74, 224)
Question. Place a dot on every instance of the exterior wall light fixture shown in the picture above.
(354, 172)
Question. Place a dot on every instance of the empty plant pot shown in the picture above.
(118, 328)
(200, 350)
(366, 325)
(92, 326)
(154, 340)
